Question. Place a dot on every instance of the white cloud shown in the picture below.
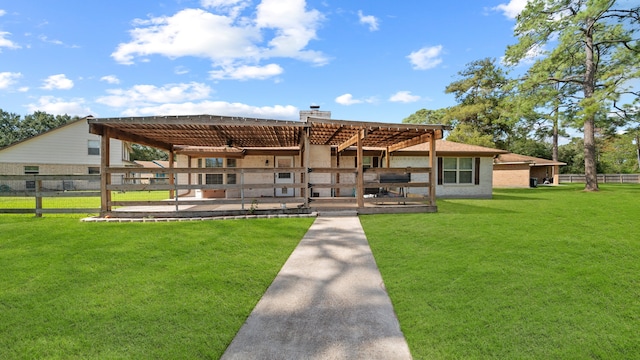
(58, 106)
(278, 29)
(231, 7)
(59, 82)
(215, 108)
(246, 72)
(147, 95)
(404, 97)
(46, 39)
(370, 20)
(294, 27)
(426, 58)
(6, 42)
(111, 79)
(512, 9)
(190, 32)
(3, 12)
(347, 99)
(8, 78)
(180, 70)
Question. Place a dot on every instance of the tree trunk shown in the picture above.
(638, 149)
(590, 170)
(589, 85)
(554, 155)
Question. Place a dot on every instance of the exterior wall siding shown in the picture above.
(52, 169)
(514, 176)
(346, 162)
(320, 157)
(483, 190)
(67, 145)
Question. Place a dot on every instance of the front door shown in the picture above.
(284, 177)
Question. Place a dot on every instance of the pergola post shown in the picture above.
(387, 158)
(432, 173)
(337, 190)
(172, 178)
(305, 158)
(105, 176)
(360, 170)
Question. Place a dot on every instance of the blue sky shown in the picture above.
(362, 60)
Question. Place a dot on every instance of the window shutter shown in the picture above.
(477, 171)
(440, 171)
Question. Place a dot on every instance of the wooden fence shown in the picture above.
(40, 187)
(246, 183)
(602, 178)
(249, 187)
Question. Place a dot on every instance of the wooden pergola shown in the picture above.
(190, 133)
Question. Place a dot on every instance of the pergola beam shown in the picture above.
(353, 140)
(125, 136)
(411, 142)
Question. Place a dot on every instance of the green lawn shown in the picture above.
(546, 273)
(73, 290)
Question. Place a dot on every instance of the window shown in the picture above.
(214, 162)
(457, 170)
(31, 170)
(216, 179)
(94, 147)
(369, 162)
(94, 170)
(231, 178)
(213, 179)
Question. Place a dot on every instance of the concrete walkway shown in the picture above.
(327, 302)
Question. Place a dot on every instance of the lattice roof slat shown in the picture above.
(220, 131)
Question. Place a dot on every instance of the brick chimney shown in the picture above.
(314, 111)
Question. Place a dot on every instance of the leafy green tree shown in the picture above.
(548, 107)
(424, 116)
(40, 122)
(573, 155)
(618, 154)
(13, 128)
(146, 153)
(482, 115)
(594, 46)
(466, 133)
(9, 128)
(531, 147)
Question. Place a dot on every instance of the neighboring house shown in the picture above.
(514, 170)
(67, 150)
(142, 172)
